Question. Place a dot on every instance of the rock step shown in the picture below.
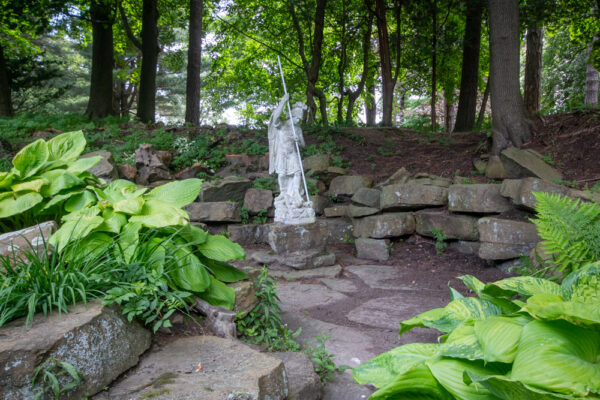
(203, 367)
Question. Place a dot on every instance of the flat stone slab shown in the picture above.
(293, 275)
(477, 198)
(339, 285)
(231, 188)
(521, 191)
(385, 225)
(303, 382)
(227, 367)
(453, 226)
(496, 230)
(520, 163)
(27, 239)
(344, 387)
(296, 296)
(217, 211)
(388, 312)
(348, 185)
(412, 196)
(372, 249)
(381, 276)
(98, 341)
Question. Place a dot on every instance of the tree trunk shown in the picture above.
(402, 106)
(387, 80)
(509, 125)
(486, 95)
(100, 103)
(192, 90)
(591, 79)
(6, 109)
(448, 114)
(366, 48)
(533, 69)
(434, 66)
(147, 96)
(371, 104)
(467, 100)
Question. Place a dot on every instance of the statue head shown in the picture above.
(298, 112)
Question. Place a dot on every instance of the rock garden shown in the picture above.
(166, 277)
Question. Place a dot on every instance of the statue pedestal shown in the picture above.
(295, 216)
(300, 246)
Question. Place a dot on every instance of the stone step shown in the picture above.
(203, 367)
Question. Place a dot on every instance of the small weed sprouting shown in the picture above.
(267, 183)
(323, 360)
(263, 324)
(52, 372)
(440, 240)
(245, 215)
(348, 238)
(370, 157)
(260, 218)
(467, 181)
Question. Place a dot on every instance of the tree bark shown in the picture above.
(100, 103)
(371, 104)
(366, 48)
(467, 100)
(6, 109)
(342, 67)
(509, 124)
(591, 79)
(147, 96)
(387, 80)
(533, 69)
(434, 66)
(192, 90)
(486, 95)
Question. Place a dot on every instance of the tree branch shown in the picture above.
(136, 42)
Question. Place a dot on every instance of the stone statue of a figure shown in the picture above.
(290, 206)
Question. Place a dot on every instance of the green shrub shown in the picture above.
(440, 240)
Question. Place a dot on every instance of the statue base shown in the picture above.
(296, 215)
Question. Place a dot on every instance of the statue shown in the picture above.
(285, 138)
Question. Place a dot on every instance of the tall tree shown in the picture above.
(509, 124)
(148, 45)
(100, 103)
(192, 94)
(591, 78)
(533, 68)
(6, 109)
(434, 39)
(366, 49)
(467, 101)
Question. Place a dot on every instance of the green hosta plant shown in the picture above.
(123, 213)
(46, 178)
(520, 338)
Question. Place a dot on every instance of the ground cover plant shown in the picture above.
(522, 337)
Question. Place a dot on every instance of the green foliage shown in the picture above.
(46, 179)
(522, 337)
(44, 280)
(440, 240)
(53, 373)
(570, 230)
(263, 324)
(268, 183)
(200, 149)
(323, 360)
(250, 147)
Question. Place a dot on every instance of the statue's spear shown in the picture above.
(293, 131)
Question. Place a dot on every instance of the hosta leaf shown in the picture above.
(13, 204)
(387, 367)
(462, 343)
(449, 374)
(74, 230)
(560, 357)
(30, 159)
(417, 383)
(66, 146)
(448, 318)
(507, 389)
(553, 307)
(192, 234)
(83, 164)
(6, 179)
(219, 294)
(221, 249)
(583, 285)
(84, 212)
(92, 246)
(33, 185)
(157, 214)
(128, 239)
(113, 221)
(116, 190)
(178, 193)
(472, 283)
(190, 273)
(521, 285)
(129, 206)
(223, 271)
(80, 200)
(59, 180)
(499, 337)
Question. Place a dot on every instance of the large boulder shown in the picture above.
(303, 382)
(218, 211)
(477, 198)
(355, 211)
(230, 188)
(520, 191)
(203, 367)
(503, 239)
(348, 185)
(97, 340)
(150, 165)
(340, 210)
(256, 200)
(412, 196)
(316, 163)
(29, 239)
(286, 239)
(401, 176)
(372, 249)
(454, 226)
(106, 167)
(525, 163)
(367, 197)
(385, 225)
(337, 230)
(249, 234)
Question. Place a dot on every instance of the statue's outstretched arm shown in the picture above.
(279, 109)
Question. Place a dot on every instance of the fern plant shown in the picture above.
(570, 230)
